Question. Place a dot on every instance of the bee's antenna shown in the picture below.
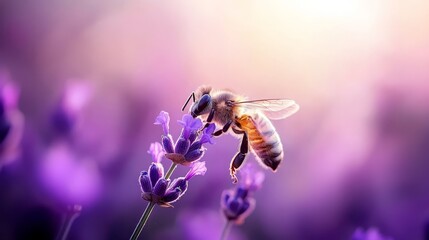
(187, 101)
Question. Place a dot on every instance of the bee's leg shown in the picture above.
(211, 115)
(209, 119)
(224, 129)
(238, 159)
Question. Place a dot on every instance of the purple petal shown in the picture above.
(241, 193)
(251, 177)
(226, 194)
(156, 151)
(163, 119)
(197, 168)
(210, 129)
(244, 207)
(208, 134)
(190, 125)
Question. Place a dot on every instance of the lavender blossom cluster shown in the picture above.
(237, 204)
(189, 148)
(156, 188)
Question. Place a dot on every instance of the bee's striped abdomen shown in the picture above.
(263, 139)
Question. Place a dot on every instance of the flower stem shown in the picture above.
(170, 170)
(226, 230)
(71, 214)
(148, 210)
(142, 221)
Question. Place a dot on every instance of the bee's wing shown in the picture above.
(273, 108)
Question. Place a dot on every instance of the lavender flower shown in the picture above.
(159, 190)
(189, 146)
(237, 204)
(370, 234)
(74, 98)
(11, 121)
(156, 187)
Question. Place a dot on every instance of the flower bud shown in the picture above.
(194, 155)
(172, 195)
(182, 146)
(160, 187)
(194, 146)
(167, 143)
(236, 208)
(156, 171)
(192, 136)
(145, 182)
(180, 183)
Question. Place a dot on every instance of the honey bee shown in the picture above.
(249, 118)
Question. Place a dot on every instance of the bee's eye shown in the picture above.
(204, 101)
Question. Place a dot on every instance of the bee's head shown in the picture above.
(202, 105)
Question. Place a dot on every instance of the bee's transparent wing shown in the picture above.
(273, 108)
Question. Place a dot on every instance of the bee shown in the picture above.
(249, 119)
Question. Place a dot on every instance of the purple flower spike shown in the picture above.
(145, 183)
(197, 168)
(163, 119)
(156, 151)
(190, 125)
(236, 209)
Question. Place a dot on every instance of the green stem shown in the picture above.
(226, 230)
(170, 170)
(72, 213)
(149, 208)
(142, 221)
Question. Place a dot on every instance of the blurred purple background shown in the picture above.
(91, 76)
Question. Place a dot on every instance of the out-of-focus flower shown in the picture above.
(11, 121)
(237, 204)
(251, 178)
(155, 188)
(370, 234)
(70, 177)
(73, 100)
(196, 224)
(189, 146)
